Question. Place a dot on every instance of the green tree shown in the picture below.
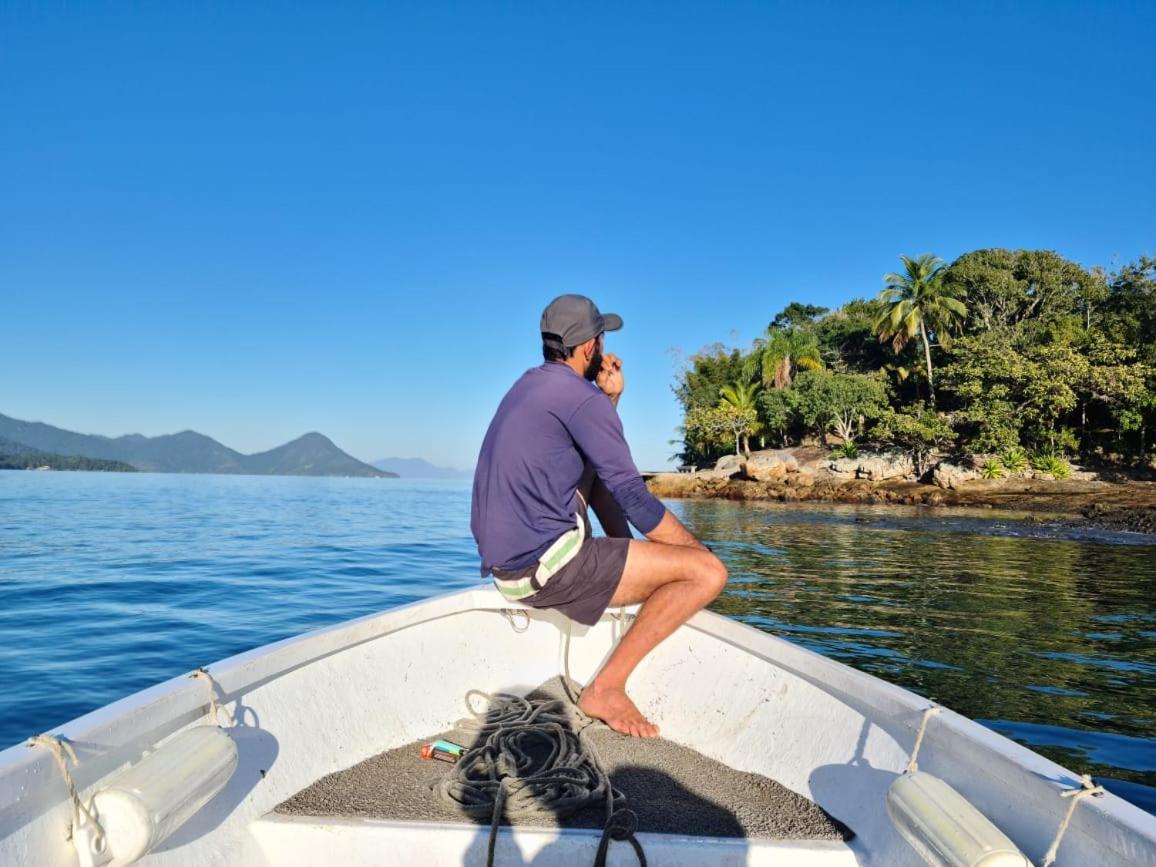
(797, 315)
(707, 371)
(1128, 313)
(707, 429)
(847, 338)
(1128, 317)
(1012, 393)
(918, 302)
(1005, 288)
(743, 397)
(839, 402)
(918, 429)
(776, 412)
(780, 354)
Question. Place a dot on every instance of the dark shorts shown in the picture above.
(583, 588)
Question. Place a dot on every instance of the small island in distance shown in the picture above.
(35, 445)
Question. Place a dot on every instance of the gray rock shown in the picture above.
(947, 475)
(716, 474)
(771, 465)
(844, 466)
(736, 465)
(885, 465)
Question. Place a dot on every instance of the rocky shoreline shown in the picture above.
(810, 474)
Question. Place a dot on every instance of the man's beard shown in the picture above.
(595, 365)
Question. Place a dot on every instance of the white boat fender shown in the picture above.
(944, 828)
(940, 824)
(147, 802)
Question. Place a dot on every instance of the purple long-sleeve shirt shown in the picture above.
(547, 426)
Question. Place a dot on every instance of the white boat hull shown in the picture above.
(322, 702)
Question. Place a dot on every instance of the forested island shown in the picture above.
(1002, 366)
(16, 456)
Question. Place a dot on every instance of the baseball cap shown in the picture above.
(573, 319)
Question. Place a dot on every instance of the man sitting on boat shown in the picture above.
(554, 446)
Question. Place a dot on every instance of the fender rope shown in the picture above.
(912, 764)
(63, 752)
(528, 760)
(1087, 789)
(214, 706)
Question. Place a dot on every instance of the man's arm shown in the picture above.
(597, 431)
(671, 531)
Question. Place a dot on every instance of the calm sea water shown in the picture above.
(110, 583)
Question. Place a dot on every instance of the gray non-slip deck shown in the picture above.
(671, 788)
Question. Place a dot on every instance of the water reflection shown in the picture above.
(1048, 640)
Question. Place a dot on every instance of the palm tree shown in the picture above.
(781, 353)
(742, 397)
(920, 302)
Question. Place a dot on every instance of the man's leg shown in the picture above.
(672, 582)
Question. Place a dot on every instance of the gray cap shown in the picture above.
(573, 319)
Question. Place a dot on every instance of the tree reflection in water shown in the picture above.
(1047, 639)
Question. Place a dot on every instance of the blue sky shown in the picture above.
(268, 219)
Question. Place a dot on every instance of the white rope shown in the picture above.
(1087, 789)
(912, 764)
(214, 707)
(63, 752)
(510, 615)
(567, 680)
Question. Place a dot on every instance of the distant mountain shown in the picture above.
(309, 455)
(189, 452)
(11, 447)
(416, 468)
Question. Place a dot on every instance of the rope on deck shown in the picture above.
(530, 759)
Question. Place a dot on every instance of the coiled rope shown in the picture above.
(534, 757)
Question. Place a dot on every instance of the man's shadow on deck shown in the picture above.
(660, 802)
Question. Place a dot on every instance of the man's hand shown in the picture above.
(610, 379)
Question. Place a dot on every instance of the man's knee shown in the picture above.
(713, 579)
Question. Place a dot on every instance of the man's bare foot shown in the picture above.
(614, 707)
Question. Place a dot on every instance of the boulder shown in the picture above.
(885, 465)
(947, 475)
(725, 473)
(771, 465)
(844, 466)
(735, 465)
(805, 478)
